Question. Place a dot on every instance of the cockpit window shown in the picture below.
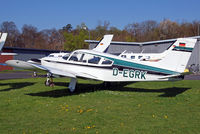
(94, 60)
(74, 57)
(65, 57)
(85, 58)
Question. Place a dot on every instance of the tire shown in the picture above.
(47, 83)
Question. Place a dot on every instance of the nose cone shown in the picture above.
(19, 64)
(11, 63)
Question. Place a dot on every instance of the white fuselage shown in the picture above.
(100, 70)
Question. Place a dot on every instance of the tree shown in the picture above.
(29, 35)
(70, 39)
(69, 44)
(169, 29)
(73, 42)
(150, 30)
(102, 29)
(67, 28)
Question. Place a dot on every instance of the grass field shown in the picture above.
(27, 106)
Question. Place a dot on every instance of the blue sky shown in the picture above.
(47, 14)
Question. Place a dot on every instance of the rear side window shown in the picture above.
(132, 57)
(123, 56)
(139, 57)
(106, 62)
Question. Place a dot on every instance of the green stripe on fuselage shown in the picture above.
(138, 66)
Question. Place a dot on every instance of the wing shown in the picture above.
(31, 66)
(55, 71)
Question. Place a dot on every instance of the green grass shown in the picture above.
(27, 106)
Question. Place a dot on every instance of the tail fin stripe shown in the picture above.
(184, 49)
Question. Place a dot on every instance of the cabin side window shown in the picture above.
(94, 60)
(85, 58)
(139, 57)
(89, 58)
(106, 62)
(132, 57)
(75, 56)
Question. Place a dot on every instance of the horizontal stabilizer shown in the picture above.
(8, 54)
(170, 76)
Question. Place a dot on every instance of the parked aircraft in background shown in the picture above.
(95, 64)
(152, 57)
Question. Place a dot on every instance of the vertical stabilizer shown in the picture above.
(3, 37)
(178, 57)
(104, 43)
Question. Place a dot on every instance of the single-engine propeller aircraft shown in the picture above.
(97, 65)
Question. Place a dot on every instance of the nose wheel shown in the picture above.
(49, 81)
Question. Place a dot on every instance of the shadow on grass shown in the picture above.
(87, 88)
(14, 86)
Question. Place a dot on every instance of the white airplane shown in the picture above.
(152, 57)
(94, 64)
(3, 37)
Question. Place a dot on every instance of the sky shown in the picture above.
(48, 14)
